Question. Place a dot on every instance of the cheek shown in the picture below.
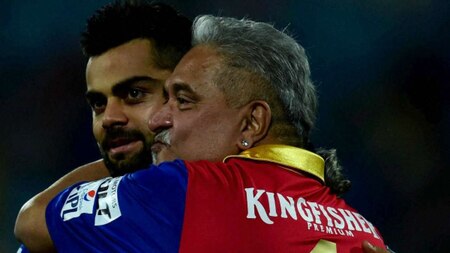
(211, 143)
(97, 129)
(139, 119)
(209, 132)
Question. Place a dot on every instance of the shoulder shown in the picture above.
(112, 205)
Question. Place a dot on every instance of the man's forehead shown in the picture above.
(133, 54)
(123, 62)
(200, 62)
(200, 58)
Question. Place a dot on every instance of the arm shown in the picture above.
(369, 248)
(31, 228)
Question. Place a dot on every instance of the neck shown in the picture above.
(290, 140)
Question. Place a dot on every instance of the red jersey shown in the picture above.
(269, 199)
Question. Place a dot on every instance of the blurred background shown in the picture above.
(382, 71)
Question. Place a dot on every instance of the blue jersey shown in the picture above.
(88, 217)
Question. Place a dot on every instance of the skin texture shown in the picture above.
(124, 88)
(195, 110)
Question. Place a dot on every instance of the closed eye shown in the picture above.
(183, 94)
(184, 102)
(181, 100)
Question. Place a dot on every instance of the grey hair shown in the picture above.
(277, 59)
(261, 49)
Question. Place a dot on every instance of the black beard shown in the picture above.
(121, 165)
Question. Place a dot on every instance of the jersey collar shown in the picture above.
(290, 156)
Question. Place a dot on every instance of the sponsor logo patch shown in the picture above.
(108, 203)
(266, 206)
(80, 200)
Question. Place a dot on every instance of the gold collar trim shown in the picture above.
(293, 157)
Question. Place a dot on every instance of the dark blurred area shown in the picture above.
(383, 73)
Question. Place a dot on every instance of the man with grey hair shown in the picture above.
(239, 109)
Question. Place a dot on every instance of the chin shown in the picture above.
(120, 167)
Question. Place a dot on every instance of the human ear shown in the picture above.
(255, 123)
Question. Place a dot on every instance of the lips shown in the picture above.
(121, 143)
(120, 140)
(117, 142)
(123, 146)
(157, 147)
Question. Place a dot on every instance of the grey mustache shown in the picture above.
(163, 137)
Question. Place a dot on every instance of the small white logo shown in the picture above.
(108, 203)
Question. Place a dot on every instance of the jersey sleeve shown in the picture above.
(138, 212)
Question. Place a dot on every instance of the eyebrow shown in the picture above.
(121, 86)
(182, 87)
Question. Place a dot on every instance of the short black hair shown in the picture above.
(122, 21)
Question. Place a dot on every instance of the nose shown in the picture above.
(161, 119)
(114, 114)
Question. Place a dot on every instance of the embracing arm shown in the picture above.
(31, 228)
(369, 248)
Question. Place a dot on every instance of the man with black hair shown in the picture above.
(132, 49)
(132, 46)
